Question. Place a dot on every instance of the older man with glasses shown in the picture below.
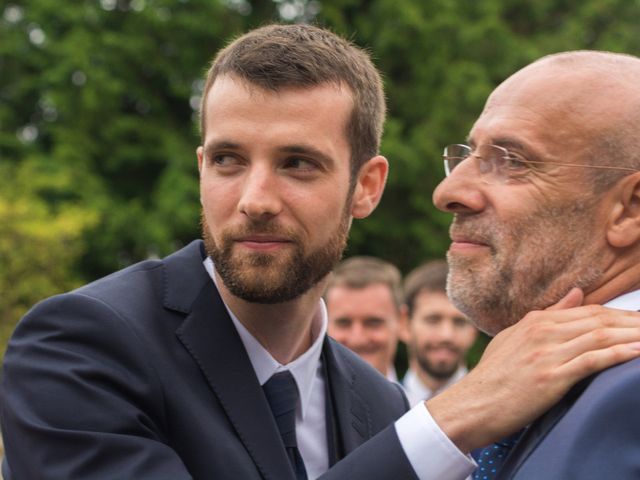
(546, 204)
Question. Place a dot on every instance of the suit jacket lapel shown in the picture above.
(212, 340)
(539, 430)
(352, 419)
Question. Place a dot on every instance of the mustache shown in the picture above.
(471, 229)
(449, 346)
(261, 228)
(251, 228)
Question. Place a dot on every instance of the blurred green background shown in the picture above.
(98, 104)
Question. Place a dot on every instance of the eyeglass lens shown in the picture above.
(491, 158)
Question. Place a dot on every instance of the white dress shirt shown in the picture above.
(629, 301)
(431, 454)
(418, 392)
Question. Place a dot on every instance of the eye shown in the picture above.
(342, 323)
(374, 323)
(226, 163)
(432, 319)
(223, 160)
(300, 163)
(461, 322)
(514, 162)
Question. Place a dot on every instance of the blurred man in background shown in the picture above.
(437, 334)
(364, 303)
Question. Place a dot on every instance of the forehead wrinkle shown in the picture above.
(519, 127)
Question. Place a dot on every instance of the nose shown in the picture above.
(260, 196)
(446, 330)
(357, 337)
(460, 192)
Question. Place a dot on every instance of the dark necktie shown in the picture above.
(282, 395)
(492, 457)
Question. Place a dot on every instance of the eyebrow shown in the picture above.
(299, 149)
(213, 146)
(510, 143)
(307, 150)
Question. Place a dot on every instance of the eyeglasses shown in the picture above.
(500, 164)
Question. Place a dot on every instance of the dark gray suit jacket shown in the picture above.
(593, 433)
(141, 375)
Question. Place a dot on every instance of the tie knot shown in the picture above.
(282, 394)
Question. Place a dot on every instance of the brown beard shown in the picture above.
(265, 278)
(433, 370)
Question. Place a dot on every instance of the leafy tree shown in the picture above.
(98, 100)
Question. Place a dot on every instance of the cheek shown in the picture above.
(381, 337)
(421, 333)
(322, 212)
(218, 204)
(466, 339)
(339, 334)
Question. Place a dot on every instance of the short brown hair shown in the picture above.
(280, 56)
(362, 271)
(430, 277)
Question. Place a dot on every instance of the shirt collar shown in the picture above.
(303, 368)
(627, 301)
(414, 385)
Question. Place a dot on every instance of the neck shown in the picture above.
(620, 278)
(433, 384)
(283, 329)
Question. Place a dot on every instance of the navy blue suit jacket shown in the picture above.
(593, 433)
(142, 375)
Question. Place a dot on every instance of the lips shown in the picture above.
(443, 354)
(449, 348)
(262, 239)
(468, 240)
(462, 242)
(467, 237)
(263, 242)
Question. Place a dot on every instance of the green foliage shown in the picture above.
(97, 110)
(40, 240)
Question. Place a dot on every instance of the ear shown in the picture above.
(624, 217)
(200, 154)
(369, 186)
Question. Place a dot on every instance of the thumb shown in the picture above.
(574, 298)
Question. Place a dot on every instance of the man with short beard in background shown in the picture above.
(437, 334)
